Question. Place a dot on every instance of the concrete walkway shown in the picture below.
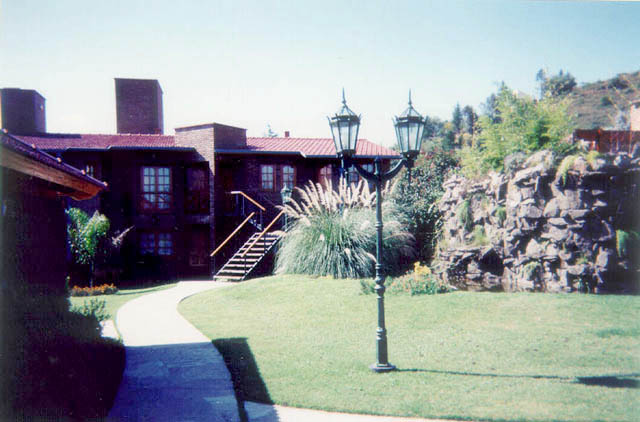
(174, 373)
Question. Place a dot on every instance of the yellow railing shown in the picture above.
(262, 234)
(246, 220)
(250, 199)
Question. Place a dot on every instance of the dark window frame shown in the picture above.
(153, 243)
(273, 177)
(149, 200)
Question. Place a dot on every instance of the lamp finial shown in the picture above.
(344, 101)
(409, 97)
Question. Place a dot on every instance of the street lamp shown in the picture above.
(285, 194)
(344, 129)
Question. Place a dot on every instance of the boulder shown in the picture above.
(606, 259)
(534, 249)
(551, 209)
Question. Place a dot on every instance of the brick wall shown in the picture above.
(33, 233)
(201, 138)
(229, 137)
(139, 106)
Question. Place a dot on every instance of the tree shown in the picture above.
(470, 118)
(525, 126)
(490, 107)
(418, 200)
(456, 119)
(86, 237)
(556, 85)
(270, 133)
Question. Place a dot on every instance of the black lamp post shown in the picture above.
(285, 194)
(344, 129)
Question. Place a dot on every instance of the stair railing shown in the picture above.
(244, 196)
(261, 236)
(246, 220)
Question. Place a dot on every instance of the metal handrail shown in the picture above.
(262, 234)
(233, 234)
(253, 201)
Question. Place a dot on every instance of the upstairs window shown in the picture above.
(288, 177)
(156, 189)
(152, 243)
(197, 191)
(267, 177)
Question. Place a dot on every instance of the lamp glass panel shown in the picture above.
(418, 142)
(401, 132)
(336, 136)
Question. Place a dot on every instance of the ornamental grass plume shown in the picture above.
(334, 233)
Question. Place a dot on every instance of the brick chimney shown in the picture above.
(634, 115)
(286, 133)
(139, 106)
(22, 111)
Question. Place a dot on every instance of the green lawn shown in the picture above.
(308, 342)
(115, 301)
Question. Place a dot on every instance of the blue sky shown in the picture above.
(284, 63)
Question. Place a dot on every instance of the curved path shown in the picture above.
(174, 373)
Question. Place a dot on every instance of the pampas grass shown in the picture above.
(334, 233)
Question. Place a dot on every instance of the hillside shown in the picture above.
(598, 104)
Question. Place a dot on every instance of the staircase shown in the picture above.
(247, 258)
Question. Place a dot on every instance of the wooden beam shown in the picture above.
(27, 165)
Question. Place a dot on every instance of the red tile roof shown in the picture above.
(308, 147)
(58, 141)
(30, 150)
(315, 147)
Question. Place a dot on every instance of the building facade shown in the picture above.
(181, 194)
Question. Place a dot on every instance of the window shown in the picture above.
(288, 177)
(267, 177)
(90, 169)
(197, 191)
(325, 175)
(156, 189)
(156, 244)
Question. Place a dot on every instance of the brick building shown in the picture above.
(183, 194)
(33, 188)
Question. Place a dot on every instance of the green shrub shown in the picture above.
(418, 200)
(605, 101)
(94, 308)
(420, 281)
(478, 236)
(334, 234)
(565, 165)
(55, 364)
(626, 242)
(465, 216)
(501, 214)
(532, 270)
(592, 156)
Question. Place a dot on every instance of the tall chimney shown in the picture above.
(139, 106)
(22, 111)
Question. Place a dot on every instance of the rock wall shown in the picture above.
(542, 228)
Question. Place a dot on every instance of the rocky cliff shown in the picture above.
(544, 228)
